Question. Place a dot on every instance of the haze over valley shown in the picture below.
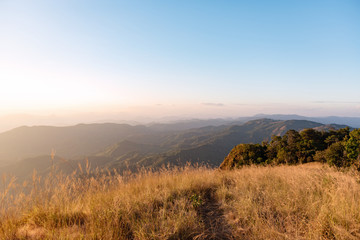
(123, 146)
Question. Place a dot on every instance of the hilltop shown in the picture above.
(309, 201)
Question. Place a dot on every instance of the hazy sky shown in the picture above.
(187, 57)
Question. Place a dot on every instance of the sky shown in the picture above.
(204, 58)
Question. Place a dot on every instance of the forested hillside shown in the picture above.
(340, 148)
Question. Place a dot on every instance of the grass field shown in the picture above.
(309, 201)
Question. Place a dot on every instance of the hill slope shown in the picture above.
(82, 139)
(211, 147)
(287, 202)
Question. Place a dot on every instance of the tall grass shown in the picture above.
(292, 202)
(284, 202)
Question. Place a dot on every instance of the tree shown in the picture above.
(244, 154)
(352, 146)
(334, 155)
(336, 136)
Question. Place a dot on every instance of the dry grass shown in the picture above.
(292, 202)
(285, 202)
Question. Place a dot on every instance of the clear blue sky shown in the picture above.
(239, 57)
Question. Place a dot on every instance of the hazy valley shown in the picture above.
(127, 147)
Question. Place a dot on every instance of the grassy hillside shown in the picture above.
(284, 202)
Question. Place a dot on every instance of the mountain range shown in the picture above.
(122, 146)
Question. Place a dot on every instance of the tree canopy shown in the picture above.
(339, 148)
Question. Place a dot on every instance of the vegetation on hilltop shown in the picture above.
(284, 202)
(339, 148)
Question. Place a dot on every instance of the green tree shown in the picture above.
(291, 146)
(273, 147)
(336, 136)
(245, 154)
(352, 146)
(311, 142)
(334, 155)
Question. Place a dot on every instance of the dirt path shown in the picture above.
(212, 215)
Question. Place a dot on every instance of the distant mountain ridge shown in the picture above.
(349, 121)
(122, 146)
(216, 145)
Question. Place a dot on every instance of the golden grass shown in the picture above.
(284, 202)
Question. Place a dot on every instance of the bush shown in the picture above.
(245, 154)
(335, 155)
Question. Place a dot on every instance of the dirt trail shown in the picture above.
(212, 215)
